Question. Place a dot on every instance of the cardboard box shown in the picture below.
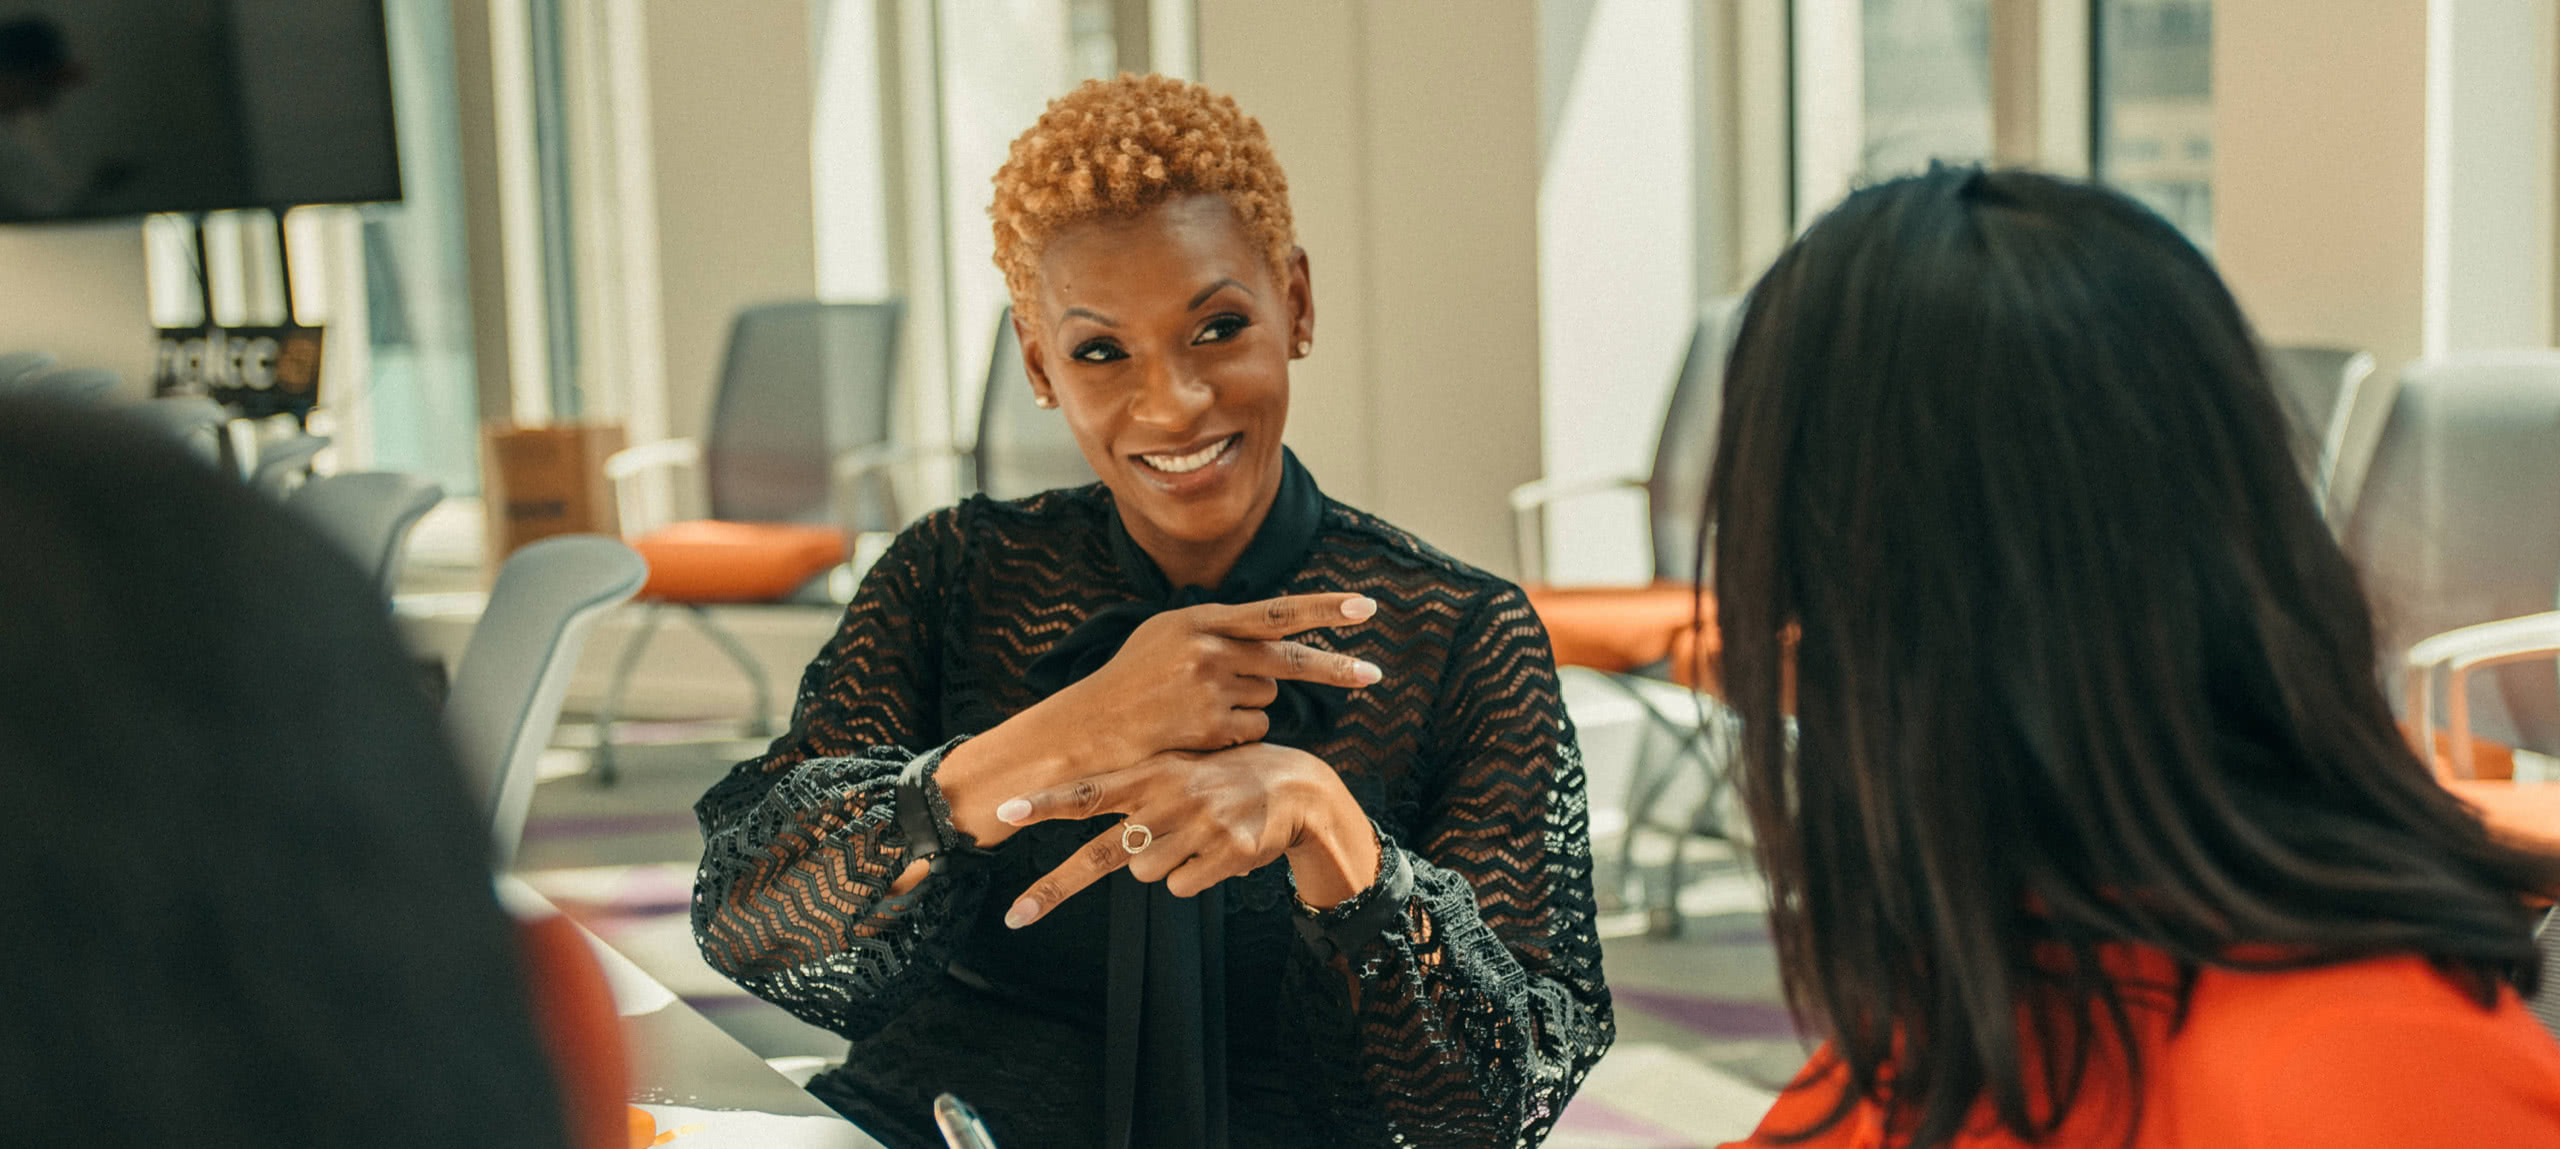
(549, 480)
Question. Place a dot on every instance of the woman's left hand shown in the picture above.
(1199, 819)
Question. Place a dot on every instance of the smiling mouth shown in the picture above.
(1184, 464)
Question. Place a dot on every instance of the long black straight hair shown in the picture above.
(244, 888)
(2004, 496)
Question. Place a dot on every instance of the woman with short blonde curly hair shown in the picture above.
(1319, 770)
(1120, 148)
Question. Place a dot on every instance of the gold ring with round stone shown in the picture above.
(1134, 837)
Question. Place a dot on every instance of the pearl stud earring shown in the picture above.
(1305, 346)
(1043, 401)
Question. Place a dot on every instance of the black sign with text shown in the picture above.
(256, 371)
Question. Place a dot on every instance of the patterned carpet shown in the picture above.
(1703, 1038)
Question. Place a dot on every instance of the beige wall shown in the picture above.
(1410, 132)
(2383, 179)
(2319, 123)
(730, 108)
(78, 290)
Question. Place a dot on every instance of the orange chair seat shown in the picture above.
(2527, 813)
(2490, 761)
(1616, 629)
(712, 561)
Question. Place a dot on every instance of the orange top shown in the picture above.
(2363, 1055)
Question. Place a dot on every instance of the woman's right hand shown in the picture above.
(1194, 679)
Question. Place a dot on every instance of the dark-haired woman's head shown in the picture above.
(2003, 487)
(246, 894)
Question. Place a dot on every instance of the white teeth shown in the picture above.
(1185, 464)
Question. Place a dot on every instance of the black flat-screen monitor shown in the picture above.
(124, 107)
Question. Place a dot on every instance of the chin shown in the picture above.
(1199, 522)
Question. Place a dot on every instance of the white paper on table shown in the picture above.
(680, 1127)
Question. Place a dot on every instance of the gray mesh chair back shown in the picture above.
(1676, 490)
(191, 419)
(369, 514)
(2459, 522)
(282, 463)
(803, 384)
(2319, 387)
(18, 365)
(1023, 448)
(515, 670)
(78, 384)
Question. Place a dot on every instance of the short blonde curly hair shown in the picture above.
(1118, 147)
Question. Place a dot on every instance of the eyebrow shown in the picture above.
(1194, 305)
(1212, 289)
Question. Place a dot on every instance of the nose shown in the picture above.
(1171, 397)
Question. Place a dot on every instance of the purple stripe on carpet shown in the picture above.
(609, 825)
(1712, 1016)
(1589, 1118)
(621, 911)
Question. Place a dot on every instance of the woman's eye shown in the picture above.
(1221, 329)
(1097, 351)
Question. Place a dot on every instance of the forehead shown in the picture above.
(1163, 253)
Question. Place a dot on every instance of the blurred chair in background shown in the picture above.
(515, 669)
(2324, 390)
(1628, 634)
(191, 419)
(369, 514)
(283, 464)
(2460, 527)
(797, 460)
(76, 384)
(1022, 448)
(18, 365)
(2457, 538)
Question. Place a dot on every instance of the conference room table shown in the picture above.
(703, 1088)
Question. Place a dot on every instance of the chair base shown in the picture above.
(602, 769)
(1704, 738)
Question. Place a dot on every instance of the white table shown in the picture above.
(696, 1079)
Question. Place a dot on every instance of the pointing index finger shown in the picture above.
(1289, 614)
(1089, 864)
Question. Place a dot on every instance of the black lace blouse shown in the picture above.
(1464, 1013)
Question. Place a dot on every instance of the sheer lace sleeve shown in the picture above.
(801, 845)
(1468, 1011)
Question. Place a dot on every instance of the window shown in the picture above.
(2155, 107)
(1926, 66)
(997, 75)
(398, 385)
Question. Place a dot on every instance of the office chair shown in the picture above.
(1022, 448)
(1629, 634)
(74, 384)
(369, 515)
(515, 669)
(284, 464)
(2457, 538)
(796, 461)
(191, 419)
(17, 365)
(2330, 395)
